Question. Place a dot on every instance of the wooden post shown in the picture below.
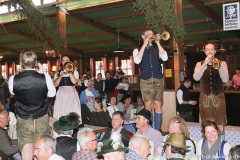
(61, 25)
(178, 49)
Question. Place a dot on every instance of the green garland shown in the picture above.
(160, 13)
(33, 16)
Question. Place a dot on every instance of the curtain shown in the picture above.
(13, 68)
(92, 66)
(6, 70)
(116, 63)
(104, 61)
(132, 65)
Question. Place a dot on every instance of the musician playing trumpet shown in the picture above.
(152, 81)
(67, 99)
(212, 100)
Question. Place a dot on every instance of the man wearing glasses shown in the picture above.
(88, 142)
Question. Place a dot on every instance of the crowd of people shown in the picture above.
(107, 103)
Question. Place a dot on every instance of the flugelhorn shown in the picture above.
(164, 36)
(68, 67)
(215, 63)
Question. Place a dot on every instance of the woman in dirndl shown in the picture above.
(67, 99)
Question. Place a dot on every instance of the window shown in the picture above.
(126, 67)
(3, 9)
(45, 68)
(4, 71)
(99, 68)
(18, 69)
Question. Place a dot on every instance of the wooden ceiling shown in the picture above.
(92, 27)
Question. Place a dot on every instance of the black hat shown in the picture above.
(145, 113)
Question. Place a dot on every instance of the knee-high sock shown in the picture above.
(158, 121)
(153, 123)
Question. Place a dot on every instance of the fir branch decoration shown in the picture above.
(160, 13)
(40, 26)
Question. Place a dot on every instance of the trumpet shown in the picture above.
(164, 36)
(68, 67)
(215, 63)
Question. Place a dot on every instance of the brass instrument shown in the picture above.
(68, 67)
(216, 63)
(164, 36)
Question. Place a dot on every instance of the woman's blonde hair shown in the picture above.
(182, 124)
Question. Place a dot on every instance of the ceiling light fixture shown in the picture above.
(50, 53)
(118, 49)
(214, 38)
(61, 8)
(222, 49)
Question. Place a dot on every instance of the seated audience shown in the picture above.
(87, 96)
(121, 89)
(66, 144)
(212, 145)
(88, 142)
(125, 106)
(117, 122)
(86, 114)
(101, 116)
(45, 149)
(234, 153)
(176, 147)
(7, 150)
(143, 123)
(12, 132)
(99, 84)
(139, 148)
(113, 148)
(178, 125)
(111, 106)
(140, 104)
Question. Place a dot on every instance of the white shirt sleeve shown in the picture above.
(180, 96)
(164, 56)
(136, 59)
(50, 86)
(198, 71)
(10, 84)
(76, 74)
(223, 71)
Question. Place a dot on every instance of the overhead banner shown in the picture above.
(231, 17)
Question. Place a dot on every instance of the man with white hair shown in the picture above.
(139, 148)
(45, 149)
(88, 143)
(6, 148)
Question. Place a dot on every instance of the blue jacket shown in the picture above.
(83, 97)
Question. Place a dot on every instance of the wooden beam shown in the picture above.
(102, 6)
(200, 20)
(94, 23)
(3, 48)
(213, 2)
(202, 32)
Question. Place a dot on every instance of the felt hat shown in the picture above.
(114, 144)
(145, 113)
(64, 124)
(177, 140)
